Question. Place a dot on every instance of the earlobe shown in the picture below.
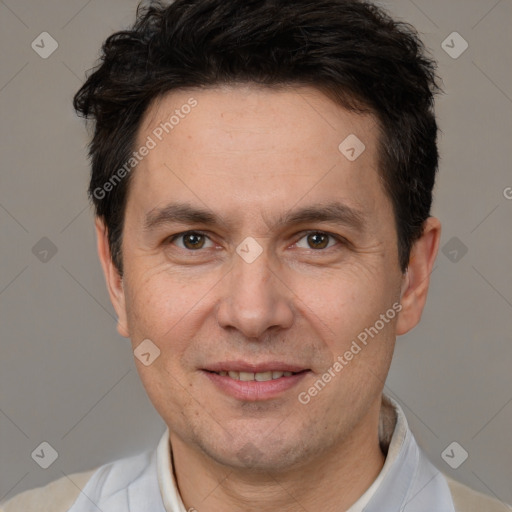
(416, 279)
(112, 277)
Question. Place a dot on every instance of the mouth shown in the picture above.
(254, 382)
(258, 376)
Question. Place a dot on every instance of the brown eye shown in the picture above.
(316, 240)
(191, 240)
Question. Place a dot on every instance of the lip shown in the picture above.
(254, 391)
(245, 366)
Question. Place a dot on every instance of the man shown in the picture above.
(262, 175)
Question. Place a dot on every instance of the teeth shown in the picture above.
(260, 376)
(263, 376)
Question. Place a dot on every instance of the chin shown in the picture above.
(259, 453)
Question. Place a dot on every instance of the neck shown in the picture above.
(333, 481)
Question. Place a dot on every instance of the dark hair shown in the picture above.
(351, 50)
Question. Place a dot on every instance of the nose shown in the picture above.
(254, 300)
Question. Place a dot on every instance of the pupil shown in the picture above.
(193, 241)
(318, 240)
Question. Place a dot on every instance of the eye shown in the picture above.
(316, 240)
(191, 240)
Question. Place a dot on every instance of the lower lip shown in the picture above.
(253, 390)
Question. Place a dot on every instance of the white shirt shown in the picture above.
(408, 482)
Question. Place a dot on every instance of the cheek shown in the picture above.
(341, 304)
(153, 304)
(163, 304)
(149, 307)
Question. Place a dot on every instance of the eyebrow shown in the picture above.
(184, 213)
(179, 212)
(338, 213)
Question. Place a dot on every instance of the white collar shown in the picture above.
(393, 428)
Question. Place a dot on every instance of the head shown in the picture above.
(262, 176)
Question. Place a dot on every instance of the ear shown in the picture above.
(417, 277)
(112, 277)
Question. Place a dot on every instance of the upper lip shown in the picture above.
(245, 366)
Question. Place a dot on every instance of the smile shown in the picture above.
(247, 386)
(260, 376)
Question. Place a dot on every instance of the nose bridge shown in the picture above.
(254, 300)
(253, 279)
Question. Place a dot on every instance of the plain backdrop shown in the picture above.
(66, 376)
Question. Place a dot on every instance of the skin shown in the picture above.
(250, 155)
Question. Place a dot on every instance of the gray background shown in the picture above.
(67, 378)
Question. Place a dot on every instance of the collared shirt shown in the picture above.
(408, 482)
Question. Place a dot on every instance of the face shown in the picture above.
(253, 245)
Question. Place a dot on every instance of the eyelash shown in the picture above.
(304, 234)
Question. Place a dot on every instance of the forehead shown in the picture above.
(262, 118)
(249, 148)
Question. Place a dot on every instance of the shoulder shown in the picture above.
(107, 485)
(57, 496)
(100, 485)
(468, 500)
